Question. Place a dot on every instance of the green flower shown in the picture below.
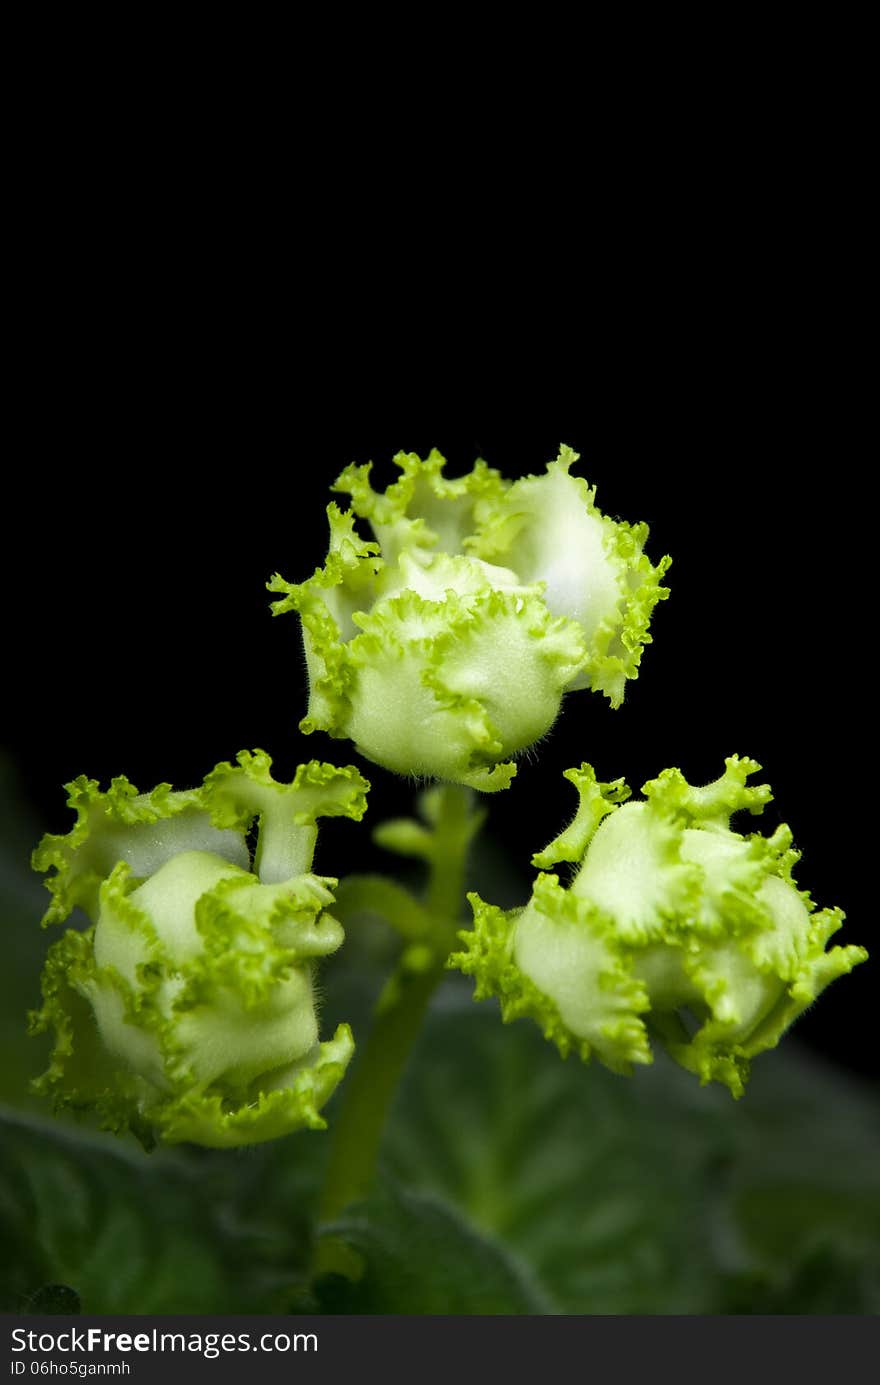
(187, 1010)
(675, 927)
(445, 646)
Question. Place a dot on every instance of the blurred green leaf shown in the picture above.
(127, 1232)
(650, 1194)
(803, 1183)
(604, 1191)
(54, 1299)
(824, 1281)
(420, 1256)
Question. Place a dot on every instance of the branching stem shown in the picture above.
(368, 1094)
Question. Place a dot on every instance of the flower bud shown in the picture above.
(187, 1011)
(445, 646)
(675, 928)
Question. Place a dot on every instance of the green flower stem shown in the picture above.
(357, 1129)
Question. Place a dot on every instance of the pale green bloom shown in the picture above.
(675, 927)
(187, 1010)
(445, 646)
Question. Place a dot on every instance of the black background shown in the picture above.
(177, 453)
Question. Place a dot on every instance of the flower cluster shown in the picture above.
(185, 1008)
(675, 928)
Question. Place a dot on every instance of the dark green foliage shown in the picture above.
(126, 1233)
(512, 1183)
(651, 1195)
(421, 1256)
